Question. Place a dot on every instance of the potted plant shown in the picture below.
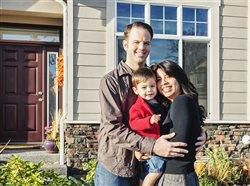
(51, 141)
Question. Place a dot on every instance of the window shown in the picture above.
(181, 34)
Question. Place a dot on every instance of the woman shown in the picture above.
(184, 118)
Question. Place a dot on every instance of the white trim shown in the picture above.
(226, 122)
(81, 122)
(64, 112)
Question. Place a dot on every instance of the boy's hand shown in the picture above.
(141, 157)
(155, 119)
(201, 140)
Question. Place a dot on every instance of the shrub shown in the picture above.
(89, 167)
(24, 173)
(218, 170)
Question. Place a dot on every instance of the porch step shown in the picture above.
(51, 161)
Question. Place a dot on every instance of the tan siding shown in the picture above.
(236, 11)
(234, 97)
(234, 32)
(237, 117)
(86, 95)
(92, 3)
(89, 24)
(234, 22)
(231, 43)
(234, 87)
(87, 107)
(236, 76)
(234, 47)
(234, 108)
(90, 48)
(90, 60)
(90, 12)
(234, 65)
(90, 36)
(236, 3)
(87, 117)
(89, 72)
(234, 54)
(86, 83)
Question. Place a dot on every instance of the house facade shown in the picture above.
(208, 39)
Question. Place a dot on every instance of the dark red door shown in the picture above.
(22, 91)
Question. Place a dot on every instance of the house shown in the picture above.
(209, 39)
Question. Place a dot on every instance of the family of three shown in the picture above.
(149, 117)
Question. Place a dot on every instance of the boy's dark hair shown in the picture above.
(142, 75)
(138, 24)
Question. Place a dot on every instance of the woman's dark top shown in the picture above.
(183, 119)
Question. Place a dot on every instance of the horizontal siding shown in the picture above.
(236, 76)
(229, 32)
(90, 60)
(92, 3)
(90, 12)
(86, 83)
(234, 97)
(89, 24)
(235, 65)
(89, 72)
(90, 36)
(87, 107)
(233, 39)
(234, 87)
(88, 117)
(90, 48)
(86, 95)
(234, 43)
(234, 108)
(236, 117)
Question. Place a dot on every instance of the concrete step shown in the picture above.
(51, 161)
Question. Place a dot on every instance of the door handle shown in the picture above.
(40, 93)
(40, 99)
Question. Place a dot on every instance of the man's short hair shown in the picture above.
(142, 75)
(138, 24)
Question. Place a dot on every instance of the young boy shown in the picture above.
(144, 119)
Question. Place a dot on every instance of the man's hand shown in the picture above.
(165, 148)
(201, 140)
(141, 157)
(155, 119)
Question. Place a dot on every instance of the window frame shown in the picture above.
(213, 79)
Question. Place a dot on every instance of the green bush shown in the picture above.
(24, 173)
(89, 167)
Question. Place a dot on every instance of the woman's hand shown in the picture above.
(141, 157)
(201, 140)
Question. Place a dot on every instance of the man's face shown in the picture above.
(137, 45)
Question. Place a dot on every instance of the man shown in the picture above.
(116, 161)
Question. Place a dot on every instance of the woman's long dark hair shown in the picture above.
(172, 69)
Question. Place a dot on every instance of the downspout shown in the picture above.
(64, 103)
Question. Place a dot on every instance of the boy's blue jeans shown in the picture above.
(105, 178)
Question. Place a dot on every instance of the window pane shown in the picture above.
(201, 29)
(122, 23)
(162, 49)
(138, 11)
(120, 50)
(157, 27)
(188, 14)
(170, 27)
(123, 10)
(170, 13)
(188, 29)
(195, 65)
(135, 20)
(156, 12)
(201, 15)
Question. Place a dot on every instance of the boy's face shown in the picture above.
(147, 90)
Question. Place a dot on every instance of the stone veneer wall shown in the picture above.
(81, 141)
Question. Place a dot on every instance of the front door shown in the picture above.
(22, 93)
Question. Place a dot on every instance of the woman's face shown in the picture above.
(167, 86)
